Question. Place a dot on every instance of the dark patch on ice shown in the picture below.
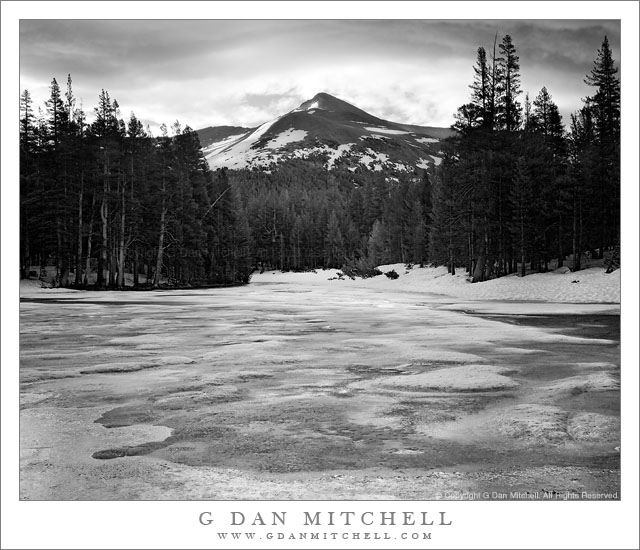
(134, 450)
(127, 416)
(116, 368)
(606, 327)
(369, 371)
(253, 376)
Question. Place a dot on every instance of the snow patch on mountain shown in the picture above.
(218, 146)
(335, 154)
(238, 154)
(314, 105)
(290, 136)
(427, 140)
(385, 130)
(373, 160)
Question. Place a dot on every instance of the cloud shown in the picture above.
(213, 72)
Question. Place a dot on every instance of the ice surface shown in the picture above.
(295, 365)
(589, 426)
(455, 379)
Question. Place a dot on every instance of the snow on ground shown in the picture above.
(591, 286)
(536, 293)
(372, 158)
(427, 140)
(335, 154)
(289, 136)
(218, 146)
(401, 167)
(240, 151)
(385, 130)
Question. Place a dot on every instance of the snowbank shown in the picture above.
(590, 286)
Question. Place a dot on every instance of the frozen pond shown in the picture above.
(279, 390)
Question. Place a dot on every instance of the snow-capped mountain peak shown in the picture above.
(329, 130)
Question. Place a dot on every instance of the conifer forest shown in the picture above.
(112, 206)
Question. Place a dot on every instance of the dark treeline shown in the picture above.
(103, 199)
(515, 190)
(303, 216)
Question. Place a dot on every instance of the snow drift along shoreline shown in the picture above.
(589, 286)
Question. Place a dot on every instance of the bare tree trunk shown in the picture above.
(156, 279)
(121, 250)
(560, 247)
(78, 280)
(112, 260)
(87, 270)
(163, 213)
(104, 215)
(59, 259)
(102, 257)
(523, 266)
(452, 265)
(26, 260)
(479, 273)
(135, 268)
(575, 243)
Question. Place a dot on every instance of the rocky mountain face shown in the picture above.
(327, 130)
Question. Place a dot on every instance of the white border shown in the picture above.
(174, 525)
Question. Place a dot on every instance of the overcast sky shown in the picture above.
(210, 73)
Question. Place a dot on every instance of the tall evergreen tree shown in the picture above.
(481, 89)
(508, 108)
(605, 108)
(606, 101)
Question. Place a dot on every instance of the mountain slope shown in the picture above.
(328, 130)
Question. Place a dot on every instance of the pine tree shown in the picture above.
(57, 114)
(606, 100)
(605, 108)
(27, 178)
(27, 123)
(481, 89)
(509, 109)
